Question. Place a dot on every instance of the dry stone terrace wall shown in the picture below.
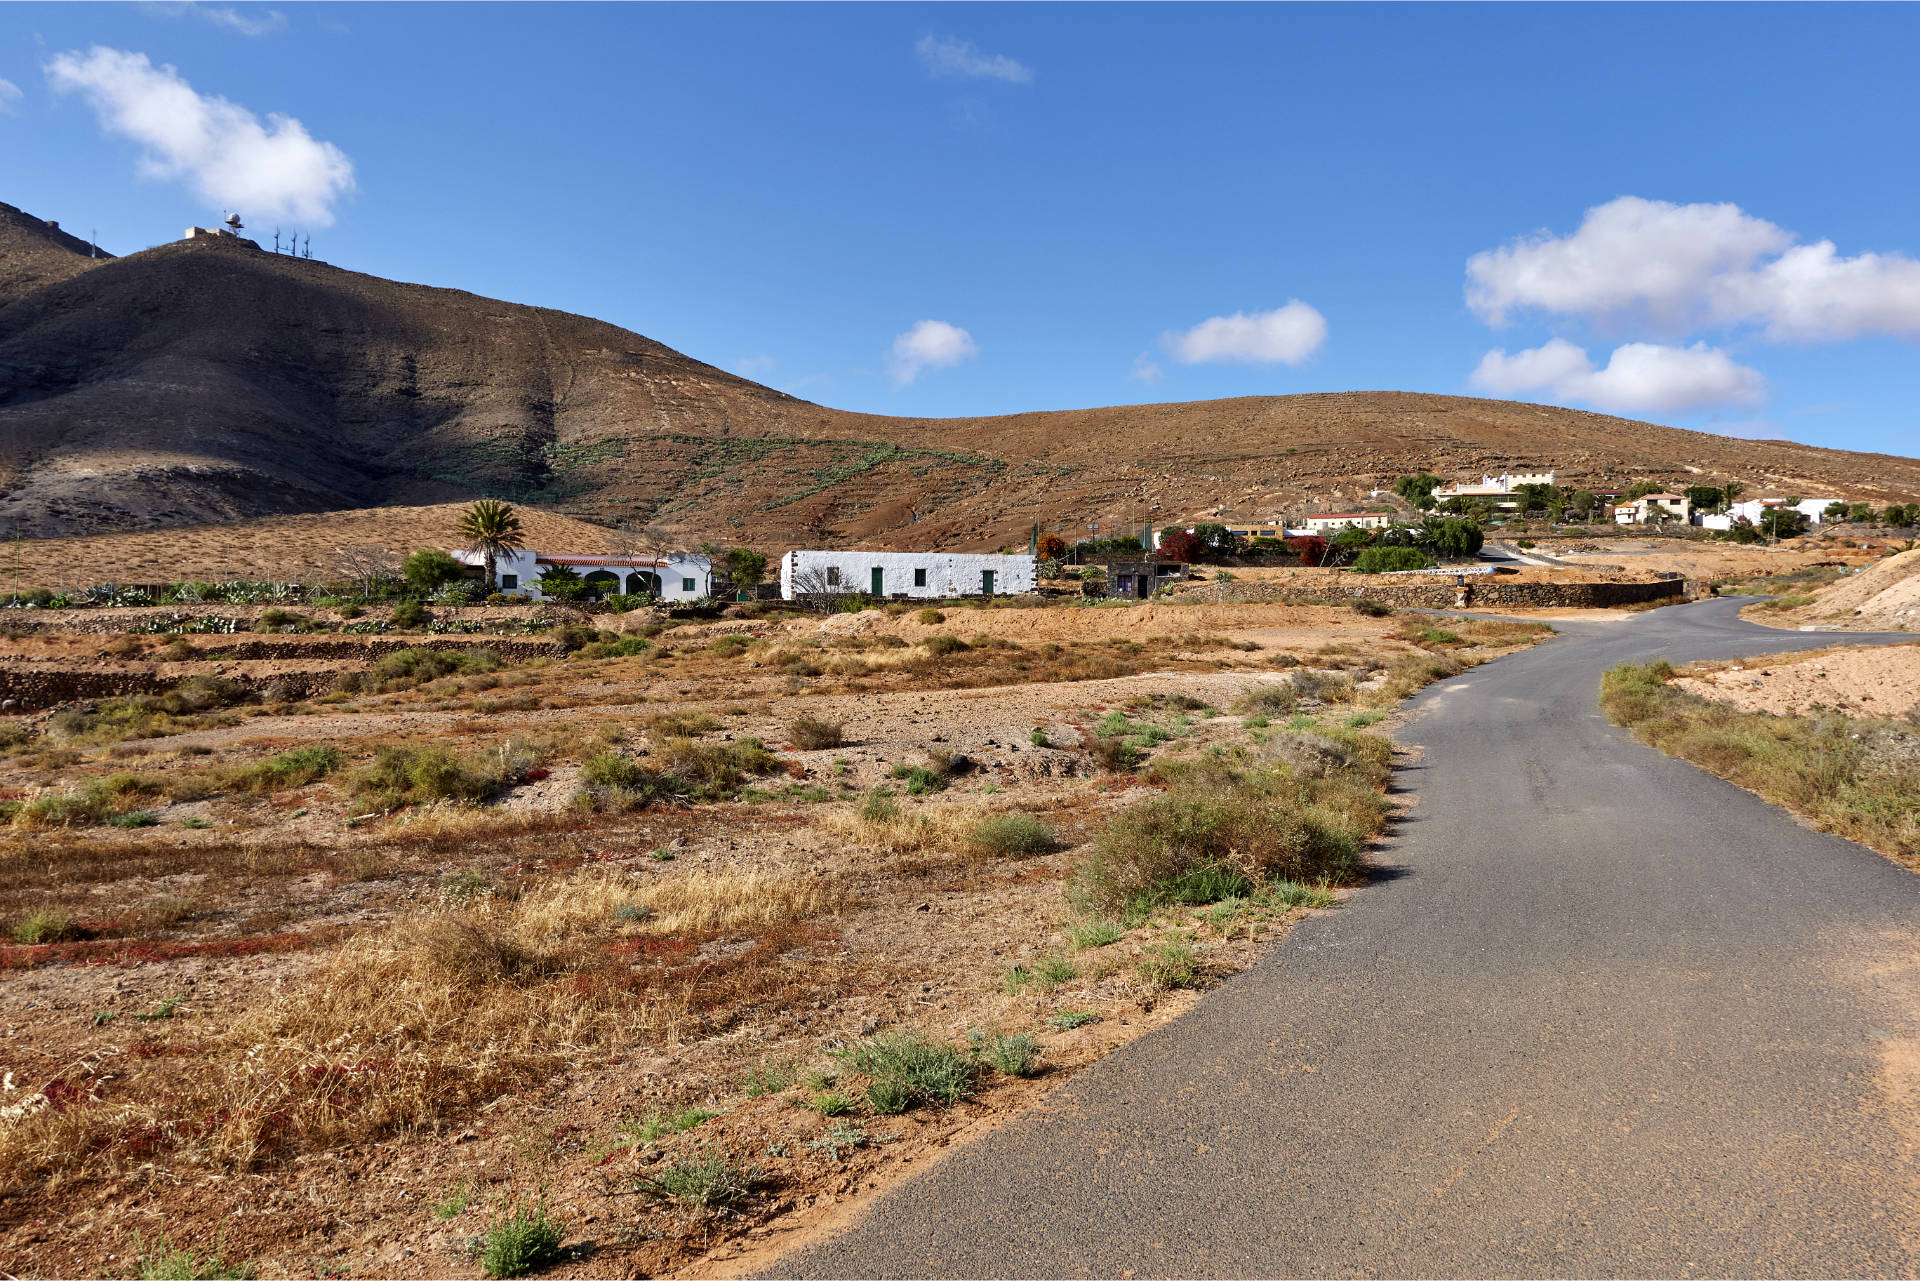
(1442, 594)
(34, 689)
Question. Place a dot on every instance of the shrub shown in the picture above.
(1016, 1055)
(1067, 1020)
(1384, 560)
(878, 806)
(1039, 738)
(295, 767)
(682, 724)
(1219, 831)
(1013, 835)
(625, 647)
(1371, 608)
(811, 734)
(920, 780)
(1170, 963)
(931, 616)
(907, 1068)
(409, 613)
(1111, 753)
(525, 1237)
(134, 818)
(1055, 970)
(1273, 699)
(44, 925)
(768, 1078)
(717, 768)
(939, 646)
(1095, 933)
(831, 1103)
(609, 769)
(710, 1179)
(402, 776)
(164, 1261)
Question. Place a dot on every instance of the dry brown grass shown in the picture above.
(440, 1011)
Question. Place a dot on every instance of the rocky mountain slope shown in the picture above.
(208, 381)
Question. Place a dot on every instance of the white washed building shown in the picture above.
(925, 575)
(677, 576)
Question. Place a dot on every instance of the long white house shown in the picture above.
(926, 575)
(678, 576)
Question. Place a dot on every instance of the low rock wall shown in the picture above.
(1431, 594)
(31, 688)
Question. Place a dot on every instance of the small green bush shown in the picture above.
(404, 775)
(1039, 738)
(930, 616)
(44, 925)
(907, 1068)
(831, 1103)
(1016, 1055)
(409, 613)
(1067, 1020)
(710, 1179)
(1170, 963)
(1095, 933)
(523, 1238)
(920, 780)
(940, 646)
(1386, 560)
(1016, 835)
(811, 734)
(162, 1260)
(295, 767)
(879, 806)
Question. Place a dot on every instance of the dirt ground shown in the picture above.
(1880, 682)
(229, 1017)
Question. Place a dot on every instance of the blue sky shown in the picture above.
(1698, 215)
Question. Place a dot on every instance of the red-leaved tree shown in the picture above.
(1050, 547)
(1310, 548)
(1181, 546)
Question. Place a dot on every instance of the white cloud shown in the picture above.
(9, 95)
(1284, 336)
(949, 56)
(1145, 370)
(1639, 378)
(250, 22)
(931, 344)
(221, 149)
(753, 366)
(1682, 268)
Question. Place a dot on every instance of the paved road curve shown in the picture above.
(1606, 1015)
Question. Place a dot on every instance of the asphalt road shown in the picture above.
(1602, 1014)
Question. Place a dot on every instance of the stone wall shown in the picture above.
(34, 687)
(1480, 593)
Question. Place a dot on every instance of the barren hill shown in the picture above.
(210, 381)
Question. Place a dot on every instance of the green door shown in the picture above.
(986, 582)
(878, 590)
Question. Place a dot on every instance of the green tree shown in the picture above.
(492, 530)
(1418, 488)
(428, 568)
(1215, 538)
(1640, 489)
(1782, 522)
(1582, 502)
(1386, 560)
(1861, 512)
(746, 567)
(1452, 537)
(1836, 510)
(1533, 497)
(562, 582)
(1731, 492)
(1706, 497)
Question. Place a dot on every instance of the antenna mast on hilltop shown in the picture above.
(309, 246)
(276, 240)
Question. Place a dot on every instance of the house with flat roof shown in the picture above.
(1333, 522)
(915, 575)
(673, 576)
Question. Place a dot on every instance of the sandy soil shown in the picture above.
(1876, 682)
(1884, 596)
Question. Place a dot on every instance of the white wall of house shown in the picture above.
(1349, 520)
(684, 576)
(925, 575)
(1814, 509)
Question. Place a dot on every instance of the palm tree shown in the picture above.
(492, 530)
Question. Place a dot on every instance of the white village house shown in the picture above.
(1814, 509)
(1333, 522)
(1651, 507)
(923, 575)
(677, 576)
